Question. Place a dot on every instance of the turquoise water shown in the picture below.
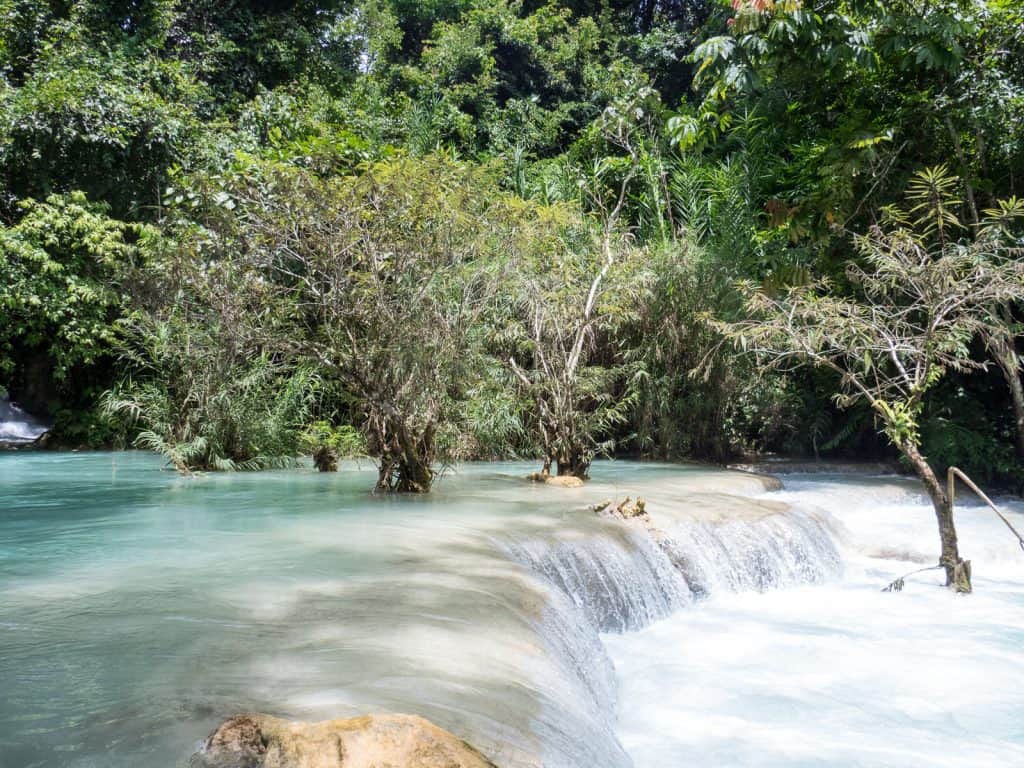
(138, 609)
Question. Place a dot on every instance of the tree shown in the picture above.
(61, 269)
(391, 273)
(573, 297)
(923, 297)
(569, 301)
(855, 96)
(210, 380)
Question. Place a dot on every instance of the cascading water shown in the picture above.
(617, 576)
(139, 609)
(16, 426)
(835, 672)
(621, 580)
(639, 571)
(786, 549)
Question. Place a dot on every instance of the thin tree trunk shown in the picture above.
(972, 206)
(957, 571)
(1017, 395)
(1007, 360)
(574, 465)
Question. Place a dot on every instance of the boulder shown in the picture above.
(373, 741)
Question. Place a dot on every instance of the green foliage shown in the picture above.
(344, 438)
(497, 78)
(270, 147)
(59, 273)
(97, 121)
(200, 409)
(957, 431)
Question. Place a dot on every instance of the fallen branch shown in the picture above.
(897, 586)
(955, 472)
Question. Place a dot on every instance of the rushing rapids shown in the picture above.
(16, 426)
(141, 609)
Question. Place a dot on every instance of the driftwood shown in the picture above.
(625, 509)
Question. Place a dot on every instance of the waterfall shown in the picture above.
(633, 573)
(786, 549)
(615, 576)
(621, 581)
(16, 426)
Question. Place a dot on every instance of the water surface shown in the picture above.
(138, 609)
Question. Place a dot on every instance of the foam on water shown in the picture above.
(841, 674)
(746, 627)
(16, 426)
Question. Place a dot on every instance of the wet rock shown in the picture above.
(626, 509)
(564, 481)
(237, 743)
(373, 741)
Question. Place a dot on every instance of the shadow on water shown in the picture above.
(141, 608)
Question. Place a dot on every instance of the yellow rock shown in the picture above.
(373, 741)
(564, 481)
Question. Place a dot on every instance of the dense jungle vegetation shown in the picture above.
(240, 232)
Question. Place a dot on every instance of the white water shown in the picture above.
(840, 673)
(747, 628)
(16, 426)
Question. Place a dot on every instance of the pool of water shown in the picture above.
(138, 609)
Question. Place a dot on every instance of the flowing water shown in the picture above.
(737, 627)
(840, 673)
(16, 426)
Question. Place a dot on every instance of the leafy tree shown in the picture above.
(60, 283)
(571, 294)
(856, 96)
(210, 382)
(585, 286)
(923, 298)
(497, 78)
(98, 122)
(391, 273)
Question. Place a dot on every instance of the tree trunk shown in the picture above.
(414, 475)
(406, 462)
(325, 459)
(574, 465)
(1002, 345)
(958, 572)
(1007, 360)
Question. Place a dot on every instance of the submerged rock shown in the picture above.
(373, 741)
(558, 481)
(564, 481)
